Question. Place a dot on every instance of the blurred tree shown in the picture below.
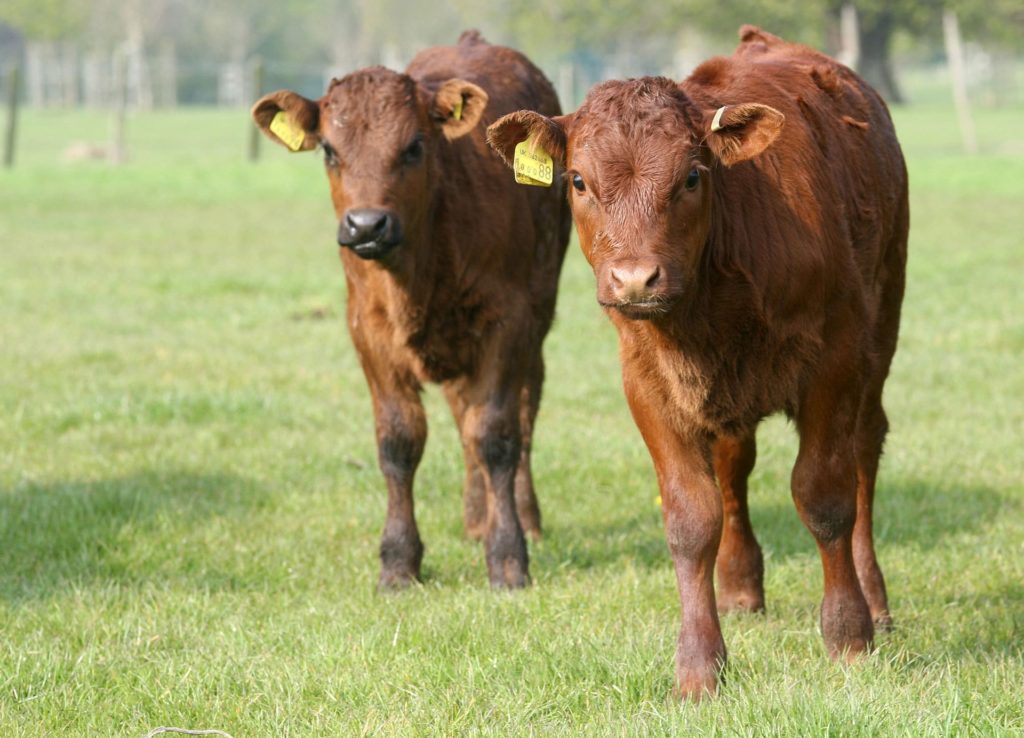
(877, 22)
(998, 22)
(801, 22)
(46, 20)
(348, 33)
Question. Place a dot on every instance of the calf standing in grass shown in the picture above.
(451, 272)
(748, 231)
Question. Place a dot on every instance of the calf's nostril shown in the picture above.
(653, 278)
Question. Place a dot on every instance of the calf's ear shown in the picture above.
(548, 133)
(288, 119)
(736, 133)
(457, 106)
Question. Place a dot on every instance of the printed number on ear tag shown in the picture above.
(291, 136)
(532, 164)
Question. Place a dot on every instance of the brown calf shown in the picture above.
(748, 231)
(451, 272)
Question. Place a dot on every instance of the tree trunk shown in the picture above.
(875, 66)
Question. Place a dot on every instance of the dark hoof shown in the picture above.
(508, 574)
(508, 562)
(400, 559)
(396, 581)
(846, 625)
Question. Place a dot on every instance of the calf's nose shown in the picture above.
(635, 282)
(362, 225)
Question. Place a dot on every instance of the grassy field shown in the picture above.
(190, 506)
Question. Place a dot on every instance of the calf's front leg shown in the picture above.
(401, 436)
(692, 512)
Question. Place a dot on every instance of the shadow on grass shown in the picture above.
(907, 513)
(58, 535)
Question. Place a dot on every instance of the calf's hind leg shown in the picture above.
(492, 427)
(474, 492)
(824, 484)
(740, 564)
(871, 430)
(872, 426)
(474, 489)
(526, 498)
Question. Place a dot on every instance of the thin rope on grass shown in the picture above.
(186, 731)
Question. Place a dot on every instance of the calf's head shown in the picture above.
(379, 131)
(640, 157)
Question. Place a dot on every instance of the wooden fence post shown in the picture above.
(257, 90)
(955, 57)
(12, 115)
(118, 152)
(849, 32)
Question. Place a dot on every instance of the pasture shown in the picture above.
(190, 506)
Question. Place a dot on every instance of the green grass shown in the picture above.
(190, 505)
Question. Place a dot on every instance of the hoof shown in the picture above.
(740, 601)
(696, 686)
(846, 626)
(740, 576)
(396, 581)
(400, 559)
(883, 622)
(508, 574)
(699, 668)
(850, 653)
(508, 562)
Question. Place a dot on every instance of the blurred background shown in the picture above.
(135, 55)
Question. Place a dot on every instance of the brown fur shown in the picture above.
(773, 285)
(466, 298)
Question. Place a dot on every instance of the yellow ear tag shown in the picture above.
(532, 164)
(291, 136)
(457, 110)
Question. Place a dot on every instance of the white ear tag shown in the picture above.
(716, 124)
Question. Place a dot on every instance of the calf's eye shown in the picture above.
(692, 179)
(413, 152)
(578, 183)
